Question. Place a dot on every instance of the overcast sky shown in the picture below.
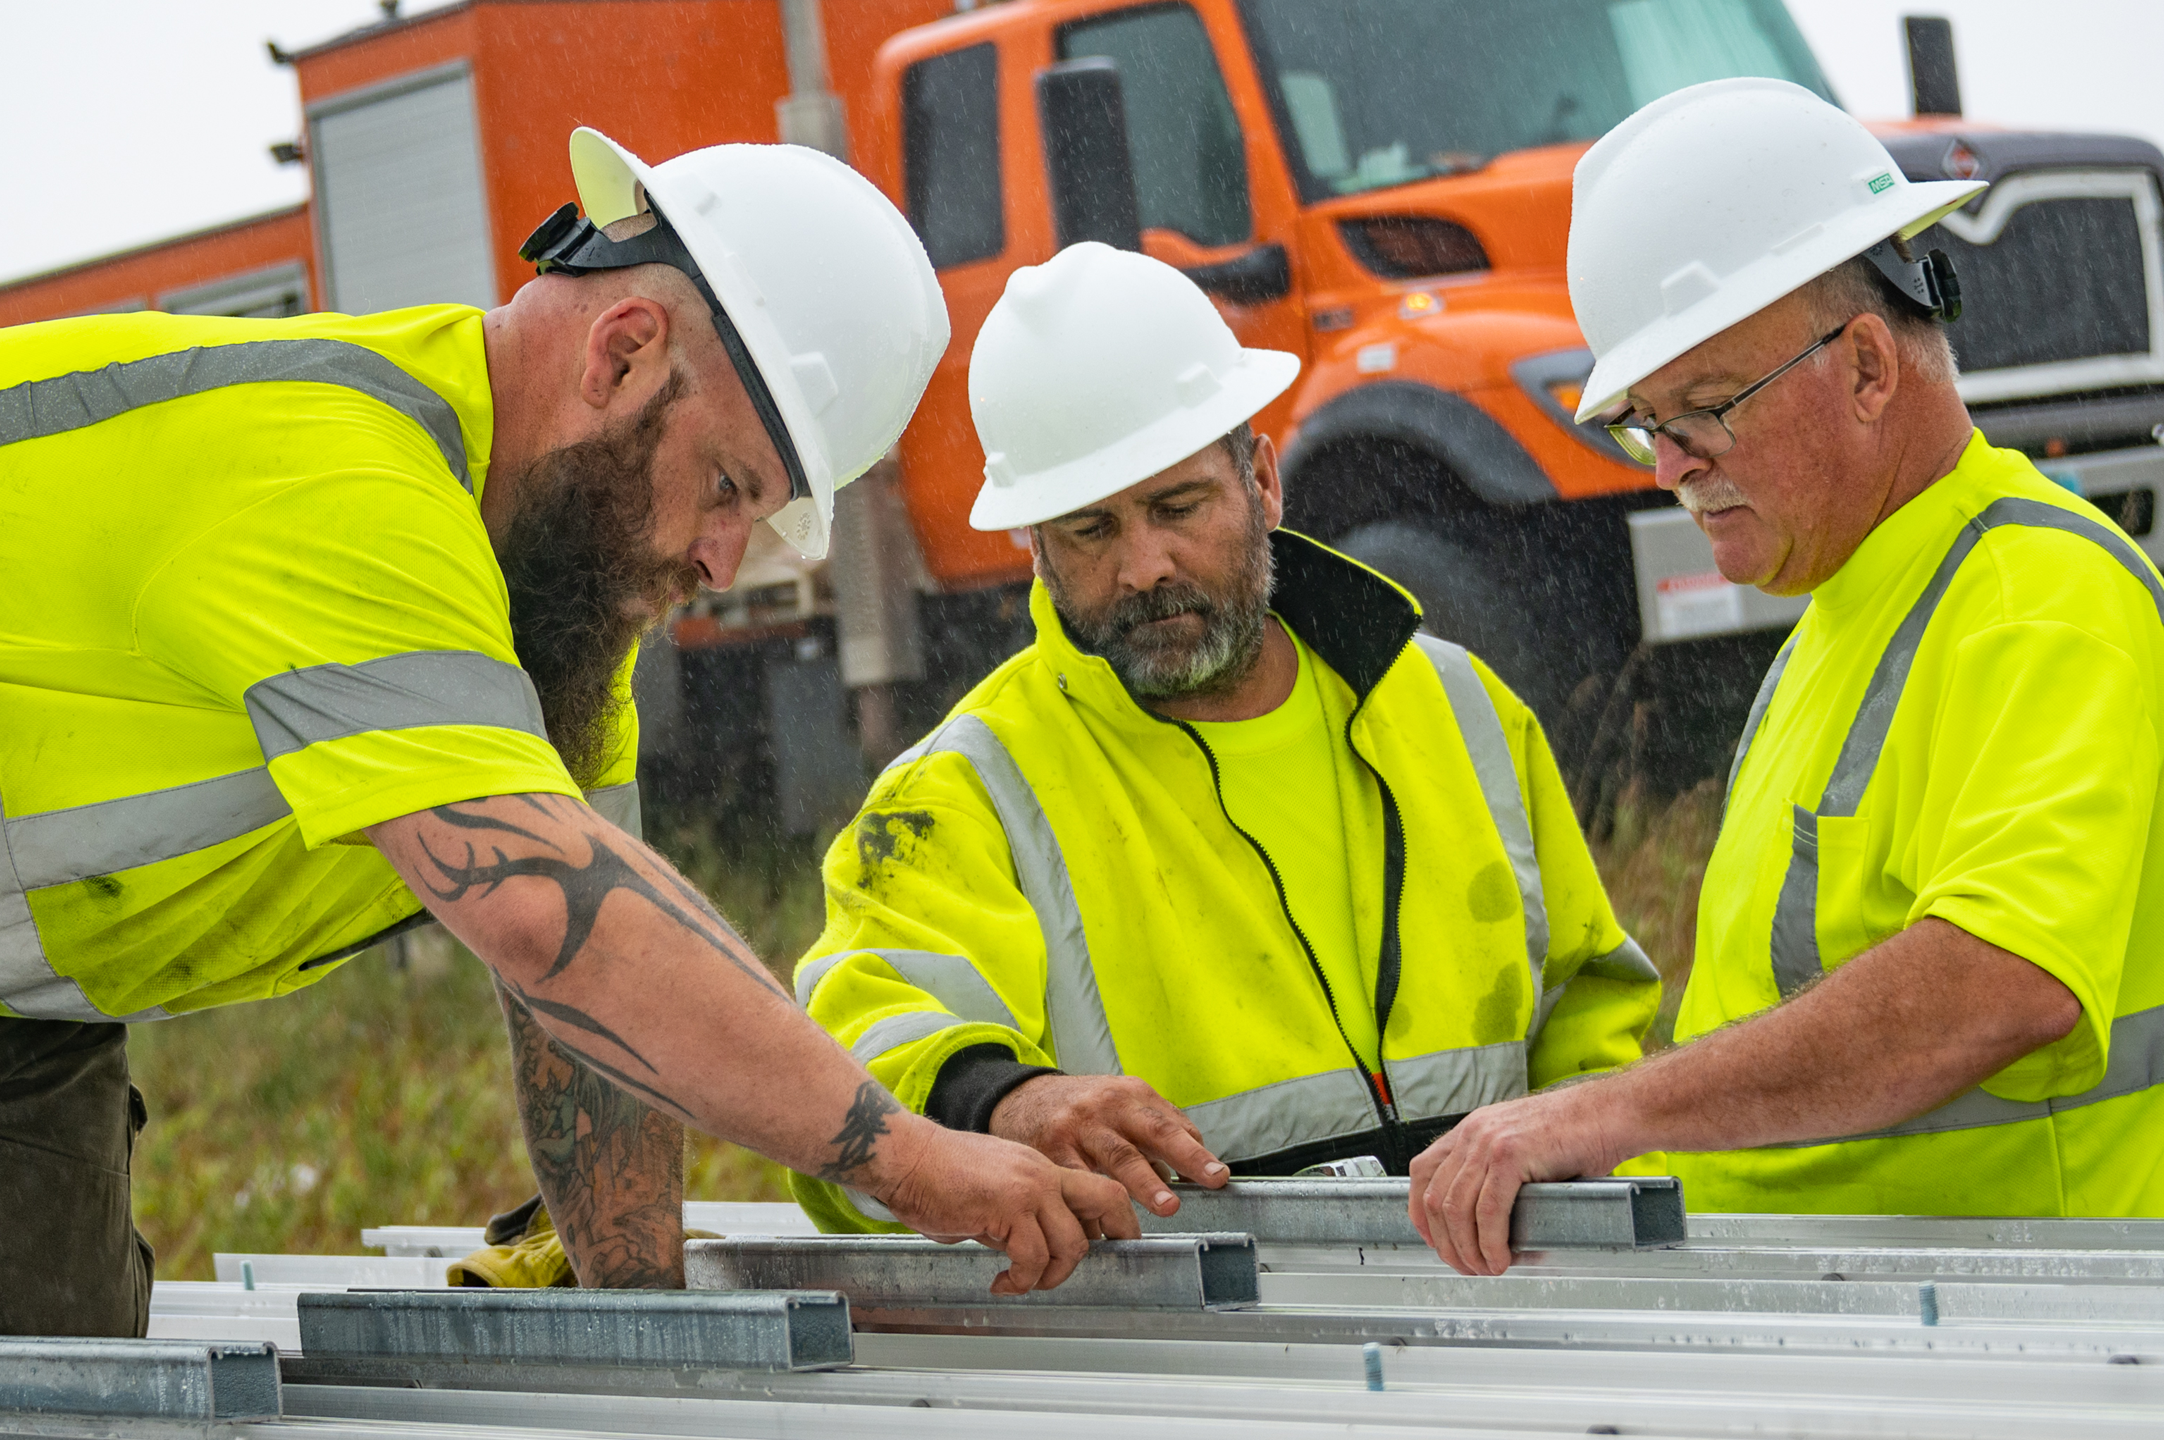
(133, 120)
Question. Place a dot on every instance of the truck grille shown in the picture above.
(2063, 281)
(2056, 284)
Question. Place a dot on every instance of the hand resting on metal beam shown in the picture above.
(1901, 1029)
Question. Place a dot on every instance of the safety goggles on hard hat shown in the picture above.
(568, 244)
(1704, 434)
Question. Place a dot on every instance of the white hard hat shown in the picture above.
(1710, 204)
(1096, 370)
(821, 293)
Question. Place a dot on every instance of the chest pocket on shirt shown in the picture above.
(1830, 838)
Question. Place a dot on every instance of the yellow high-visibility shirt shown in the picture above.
(251, 610)
(2004, 779)
(1287, 780)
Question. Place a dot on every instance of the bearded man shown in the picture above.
(317, 627)
(1231, 872)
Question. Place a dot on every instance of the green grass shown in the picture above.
(383, 1095)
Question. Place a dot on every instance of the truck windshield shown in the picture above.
(1371, 93)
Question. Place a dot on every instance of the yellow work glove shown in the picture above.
(525, 1252)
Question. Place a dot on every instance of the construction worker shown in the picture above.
(1230, 871)
(1927, 976)
(316, 627)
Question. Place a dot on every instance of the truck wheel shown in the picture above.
(1464, 600)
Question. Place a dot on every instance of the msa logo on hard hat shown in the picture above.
(1880, 183)
(569, 244)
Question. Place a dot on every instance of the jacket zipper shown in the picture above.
(1385, 1111)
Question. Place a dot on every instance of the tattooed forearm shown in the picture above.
(585, 889)
(610, 1169)
(860, 1132)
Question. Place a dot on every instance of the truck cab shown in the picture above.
(1382, 187)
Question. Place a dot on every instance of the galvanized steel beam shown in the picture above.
(138, 1379)
(1915, 1232)
(620, 1328)
(1617, 1214)
(1163, 1272)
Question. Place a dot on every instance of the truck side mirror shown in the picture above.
(1087, 166)
(1933, 81)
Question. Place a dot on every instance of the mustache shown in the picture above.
(1715, 492)
(1162, 602)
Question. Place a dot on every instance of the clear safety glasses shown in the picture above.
(1704, 434)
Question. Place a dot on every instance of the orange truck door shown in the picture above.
(1212, 197)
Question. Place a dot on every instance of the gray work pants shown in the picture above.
(71, 1259)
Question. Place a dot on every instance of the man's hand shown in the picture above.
(1112, 1124)
(952, 1185)
(1463, 1186)
(1897, 1031)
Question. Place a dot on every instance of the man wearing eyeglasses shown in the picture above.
(1926, 975)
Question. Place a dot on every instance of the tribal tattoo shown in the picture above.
(861, 1129)
(611, 1170)
(585, 888)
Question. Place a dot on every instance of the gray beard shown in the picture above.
(1173, 669)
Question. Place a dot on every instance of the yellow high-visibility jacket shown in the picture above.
(249, 610)
(1967, 725)
(1051, 871)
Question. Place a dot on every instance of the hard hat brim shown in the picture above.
(1905, 211)
(1260, 377)
(608, 178)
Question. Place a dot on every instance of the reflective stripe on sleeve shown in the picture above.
(1489, 750)
(1794, 947)
(898, 1030)
(619, 805)
(1075, 1012)
(1453, 1082)
(299, 708)
(950, 979)
(36, 409)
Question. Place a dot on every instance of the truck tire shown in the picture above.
(1463, 599)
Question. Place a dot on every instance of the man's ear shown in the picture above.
(627, 351)
(1267, 482)
(1877, 370)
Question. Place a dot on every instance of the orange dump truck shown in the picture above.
(1381, 187)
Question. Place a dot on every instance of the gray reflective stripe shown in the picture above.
(398, 692)
(1793, 944)
(1277, 1117)
(38, 408)
(885, 1035)
(619, 805)
(29, 985)
(1757, 717)
(2136, 1063)
(1074, 1012)
(1794, 940)
(58, 847)
(1489, 751)
(1453, 1082)
(950, 979)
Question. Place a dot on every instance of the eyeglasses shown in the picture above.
(1704, 434)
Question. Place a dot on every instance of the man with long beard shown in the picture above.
(1231, 872)
(315, 628)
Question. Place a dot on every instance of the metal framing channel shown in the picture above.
(1165, 1272)
(139, 1379)
(1610, 1214)
(1772, 1332)
(647, 1329)
(1914, 1233)
(1697, 1259)
(1855, 1396)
